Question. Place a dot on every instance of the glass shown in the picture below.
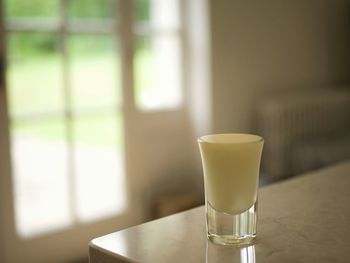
(34, 74)
(142, 10)
(91, 8)
(165, 14)
(41, 185)
(101, 130)
(158, 72)
(158, 14)
(231, 164)
(94, 72)
(32, 8)
(99, 167)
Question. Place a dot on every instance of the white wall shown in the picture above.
(259, 46)
(199, 95)
(160, 156)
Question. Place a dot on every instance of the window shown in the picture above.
(157, 61)
(65, 96)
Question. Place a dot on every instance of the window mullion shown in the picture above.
(125, 33)
(127, 49)
(63, 34)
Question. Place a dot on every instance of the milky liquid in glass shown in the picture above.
(231, 173)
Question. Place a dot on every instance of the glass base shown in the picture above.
(227, 229)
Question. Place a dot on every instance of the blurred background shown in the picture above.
(101, 103)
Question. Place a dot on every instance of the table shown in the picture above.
(303, 219)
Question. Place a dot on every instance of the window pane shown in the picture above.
(159, 14)
(39, 156)
(165, 14)
(142, 10)
(92, 8)
(34, 73)
(95, 71)
(99, 130)
(99, 167)
(31, 8)
(157, 72)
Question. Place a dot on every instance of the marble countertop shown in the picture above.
(304, 219)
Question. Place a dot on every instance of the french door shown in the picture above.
(76, 72)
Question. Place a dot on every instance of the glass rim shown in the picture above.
(253, 138)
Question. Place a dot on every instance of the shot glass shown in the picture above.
(231, 164)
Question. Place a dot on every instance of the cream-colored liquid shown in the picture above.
(231, 170)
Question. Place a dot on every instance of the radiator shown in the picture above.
(292, 120)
